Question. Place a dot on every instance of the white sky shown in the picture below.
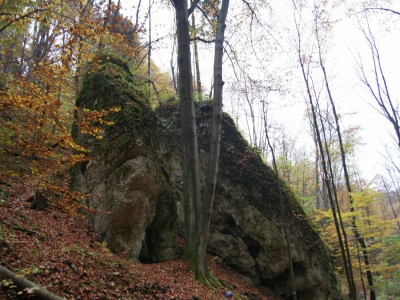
(347, 42)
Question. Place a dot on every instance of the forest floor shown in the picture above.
(59, 251)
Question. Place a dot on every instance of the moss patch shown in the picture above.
(238, 161)
(242, 165)
(109, 83)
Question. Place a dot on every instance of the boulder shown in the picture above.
(247, 223)
(131, 203)
(134, 176)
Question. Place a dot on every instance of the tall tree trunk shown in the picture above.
(390, 201)
(317, 176)
(319, 204)
(196, 60)
(329, 192)
(252, 133)
(83, 13)
(106, 19)
(215, 141)
(358, 236)
(287, 238)
(149, 55)
(324, 165)
(191, 169)
(332, 185)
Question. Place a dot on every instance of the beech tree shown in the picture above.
(285, 226)
(304, 62)
(319, 21)
(198, 214)
(377, 84)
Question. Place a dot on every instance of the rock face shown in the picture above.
(134, 210)
(247, 224)
(136, 172)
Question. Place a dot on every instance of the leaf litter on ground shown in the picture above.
(59, 251)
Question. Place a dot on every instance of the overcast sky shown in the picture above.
(347, 43)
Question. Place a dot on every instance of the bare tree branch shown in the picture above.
(378, 86)
(380, 8)
(202, 40)
(193, 6)
(22, 17)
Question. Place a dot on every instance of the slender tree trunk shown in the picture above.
(287, 238)
(390, 201)
(215, 141)
(319, 200)
(324, 166)
(191, 170)
(252, 133)
(331, 183)
(173, 68)
(211, 90)
(196, 61)
(105, 23)
(329, 192)
(84, 9)
(149, 55)
(317, 182)
(358, 236)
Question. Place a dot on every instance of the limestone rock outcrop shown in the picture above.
(247, 224)
(133, 208)
(134, 174)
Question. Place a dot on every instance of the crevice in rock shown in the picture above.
(159, 244)
(298, 269)
(83, 166)
(252, 245)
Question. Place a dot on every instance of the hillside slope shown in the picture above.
(59, 251)
(136, 171)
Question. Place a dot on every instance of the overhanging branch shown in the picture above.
(193, 6)
(202, 40)
(21, 17)
(381, 8)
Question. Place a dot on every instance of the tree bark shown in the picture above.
(285, 225)
(23, 283)
(191, 169)
(334, 201)
(390, 201)
(196, 61)
(215, 141)
(40, 202)
(317, 183)
(358, 236)
(324, 166)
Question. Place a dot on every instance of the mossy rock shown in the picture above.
(109, 83)
(134, 211)
(247, 222)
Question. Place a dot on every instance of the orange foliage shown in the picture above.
(43, 52)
